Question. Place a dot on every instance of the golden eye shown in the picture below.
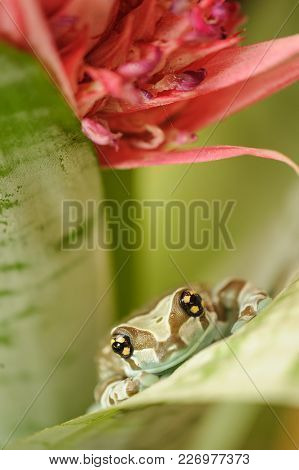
(121, 345)
(191, 303)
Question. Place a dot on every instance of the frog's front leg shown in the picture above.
(251, 302)
(116, 391)
(242, 300)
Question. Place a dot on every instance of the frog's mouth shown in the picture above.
(180, 356)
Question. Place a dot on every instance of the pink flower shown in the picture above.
(143, 74)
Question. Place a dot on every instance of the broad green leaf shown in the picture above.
(46, 294)
(250, 372)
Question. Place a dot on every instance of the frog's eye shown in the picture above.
(121, 345)
(191, 303)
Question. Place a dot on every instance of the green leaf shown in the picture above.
(46, 293)
(238, 373)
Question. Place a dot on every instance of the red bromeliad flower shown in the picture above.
(143, 74)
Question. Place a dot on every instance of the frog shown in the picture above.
(150, 345)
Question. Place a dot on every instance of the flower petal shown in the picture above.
(100, 133)
(139, 25)
(51, 6)
(127, 157)
(222, 103)
(157, 138)
(74, 16)
(142, 67)
(187, 54)
(103, 82)
(237, 65)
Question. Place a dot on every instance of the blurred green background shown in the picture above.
(54, 296)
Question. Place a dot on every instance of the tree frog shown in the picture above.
(150, 345)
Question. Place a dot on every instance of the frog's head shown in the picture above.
(166, 335)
